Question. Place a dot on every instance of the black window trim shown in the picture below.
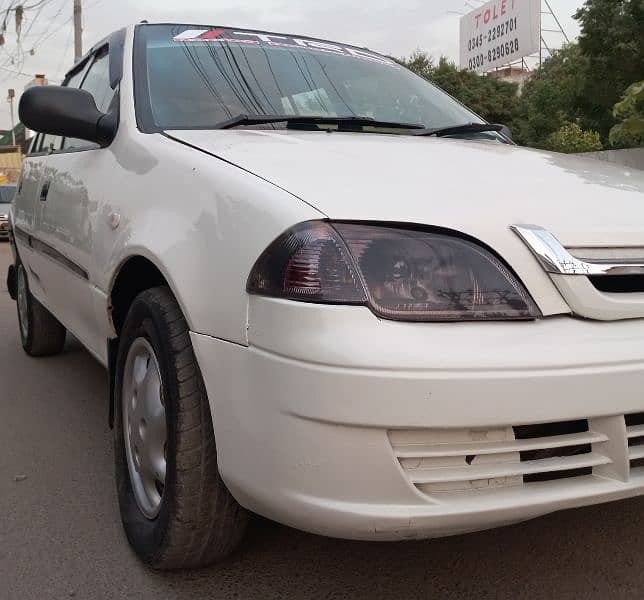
(34, 144)
(144, 120)
(115, 44)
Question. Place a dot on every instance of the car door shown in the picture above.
(26, 211)
(69, 205)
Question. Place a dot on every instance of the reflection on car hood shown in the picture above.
(477, 187)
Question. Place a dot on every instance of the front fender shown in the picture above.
(203, 222)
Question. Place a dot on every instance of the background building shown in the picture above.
(512, 74)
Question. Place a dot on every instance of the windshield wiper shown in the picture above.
(293, 121)
(465, 128)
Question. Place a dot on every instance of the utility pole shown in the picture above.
(78, 30)
(10, 99)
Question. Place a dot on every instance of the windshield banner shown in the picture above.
(223, 36)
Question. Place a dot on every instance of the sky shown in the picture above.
(394, 27)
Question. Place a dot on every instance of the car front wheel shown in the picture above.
(175, 508)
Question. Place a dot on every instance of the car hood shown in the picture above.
(479, 188)
(476, 187)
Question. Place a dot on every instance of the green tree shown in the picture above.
(612, 40)
(494, 100)
(582, 82)
(553, 97)
(420, 63)
(629, 132)
(571, 138)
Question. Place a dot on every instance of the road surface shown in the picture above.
(60, 534)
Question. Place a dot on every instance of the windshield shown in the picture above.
(198, 77)
(7, 192)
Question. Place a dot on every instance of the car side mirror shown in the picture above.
(67, 112)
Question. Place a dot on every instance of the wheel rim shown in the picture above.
(144, 426)
(23, 306)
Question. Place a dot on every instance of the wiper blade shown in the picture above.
(465, 128)
(295, 120)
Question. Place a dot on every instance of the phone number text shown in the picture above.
(497, 32)
(493, 54)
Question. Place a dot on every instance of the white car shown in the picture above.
(327, 293)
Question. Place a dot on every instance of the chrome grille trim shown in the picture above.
(555, 259)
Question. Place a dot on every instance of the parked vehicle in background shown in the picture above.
(372, 316)
(7, 193)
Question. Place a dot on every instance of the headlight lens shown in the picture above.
(400, 274)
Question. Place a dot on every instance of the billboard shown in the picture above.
(500, 32)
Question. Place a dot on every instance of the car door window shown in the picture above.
(50, 143)
(76, 78)
(35, 143)
(97, 83)
(74, 81)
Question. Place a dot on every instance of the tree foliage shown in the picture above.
(490, 98)
(630, 116)
(571, 138)
(612, 39)
(553, 97)
(581, 84)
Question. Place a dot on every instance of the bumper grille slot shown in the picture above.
(558, 430)
(618, 284)
(438, 461)
(635, 435)
(541, 468)
(554, 475)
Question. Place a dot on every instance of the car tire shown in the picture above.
(176, 510)
(41, 333)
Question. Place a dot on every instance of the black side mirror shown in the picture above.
(67, 112)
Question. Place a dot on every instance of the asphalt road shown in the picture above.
(60, 534)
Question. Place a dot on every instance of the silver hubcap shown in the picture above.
(23, 310)
(144, 426)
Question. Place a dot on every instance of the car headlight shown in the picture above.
(401, 274)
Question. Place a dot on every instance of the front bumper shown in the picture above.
(338, 423)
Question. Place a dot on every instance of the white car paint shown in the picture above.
(325, 414)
